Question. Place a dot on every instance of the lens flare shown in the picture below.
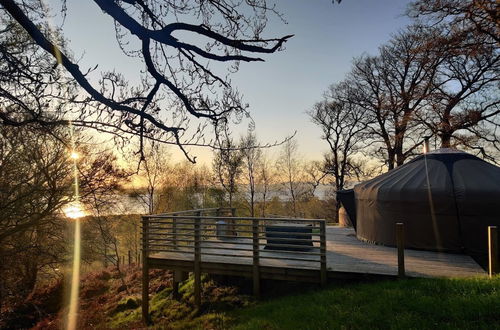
(75, 280)
(75, 211)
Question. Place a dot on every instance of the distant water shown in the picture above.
(125, 204)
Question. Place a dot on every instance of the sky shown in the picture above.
(280, 90)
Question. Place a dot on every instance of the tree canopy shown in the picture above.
(181, 96)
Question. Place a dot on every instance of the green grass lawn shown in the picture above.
(404, 304)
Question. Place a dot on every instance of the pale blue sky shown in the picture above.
(280, 90)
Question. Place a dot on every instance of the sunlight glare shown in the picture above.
(74, 211)
(74, 155)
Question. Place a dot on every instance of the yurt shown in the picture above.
(446, 200)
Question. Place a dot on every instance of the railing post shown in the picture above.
(255, 249)
(400, 243)
(322, 248)
(174, 230)
(145, 270)
(197, 260)
(493, 266)
(232, 222)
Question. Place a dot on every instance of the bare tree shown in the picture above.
(392, 87)
(32, 90)
(266, 178)
(227, 166)
(480, 17)
(251, 161)
(344, 128)
(177, 83)
(290, 169)
(100, 181)
(464, 107)
(154, 168)
(315, 175)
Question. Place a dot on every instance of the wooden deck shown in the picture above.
(345, 253)
(306, 250)
(346, 257)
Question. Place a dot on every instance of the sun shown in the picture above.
(74, 155)
(74, 211)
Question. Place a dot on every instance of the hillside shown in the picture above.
(108, 302)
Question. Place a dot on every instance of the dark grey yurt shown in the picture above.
(445, 198)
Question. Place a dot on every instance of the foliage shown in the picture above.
(34, 186)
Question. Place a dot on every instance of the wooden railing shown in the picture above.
(207, 211)
(201, 237)
(284, 239)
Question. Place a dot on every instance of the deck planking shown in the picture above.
(345, 255)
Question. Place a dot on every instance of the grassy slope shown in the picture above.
(406, 304)
(106, 303)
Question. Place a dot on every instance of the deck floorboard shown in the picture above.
(345, 254)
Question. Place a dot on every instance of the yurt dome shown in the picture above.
(446, 200)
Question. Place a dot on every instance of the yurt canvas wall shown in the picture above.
(446, 199)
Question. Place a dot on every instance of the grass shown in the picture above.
(405, 304)
(167, 313)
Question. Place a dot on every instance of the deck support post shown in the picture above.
(322, 238)
(255, 250)
(493, 263)
(197, 260)
(145, 271)
(400, 243)
(179, 276)
(175, 288)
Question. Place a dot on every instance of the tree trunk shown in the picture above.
(400, 158)
(390, 159)
(252, 202)
(445, 140)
